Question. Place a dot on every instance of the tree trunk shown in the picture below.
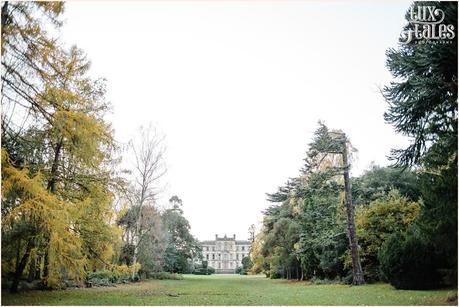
(134, 261)
(357, 273)
(45, 265)
(136, 244)
(20, 266)
(53, 179)
(5, 17)
(32, 270)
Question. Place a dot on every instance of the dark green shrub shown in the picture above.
(246, 263)
(108, 278)
(274, 273)
(200, 271)
(70, 283)
(101, 278)
(204, 271)
(100, 274)
(164, 275)
(408, 261)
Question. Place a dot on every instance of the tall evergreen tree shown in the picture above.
(423, 106)
(423, 98)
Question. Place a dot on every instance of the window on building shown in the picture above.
(207, 257)
(243, 248)
(213, 256)
(237, 257)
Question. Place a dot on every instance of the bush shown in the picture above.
(164, 275)
(326, 281)
(241, 271)
(118, 274)
(70, 283)
(204, 271)
(101, 278)
(408, 261)
(274, 273)
(376, 223)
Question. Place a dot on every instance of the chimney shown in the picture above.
(216, 237)
(234, 236)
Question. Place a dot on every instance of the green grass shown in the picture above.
(229, 290)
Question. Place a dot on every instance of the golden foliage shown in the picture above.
(51, 216)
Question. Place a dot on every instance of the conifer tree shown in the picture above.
(57, 160)
(423, 106)
(326, 148)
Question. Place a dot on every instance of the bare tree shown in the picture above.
(147, 151)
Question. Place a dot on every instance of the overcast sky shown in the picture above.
(238, 88)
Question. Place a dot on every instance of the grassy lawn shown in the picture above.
(229, 290)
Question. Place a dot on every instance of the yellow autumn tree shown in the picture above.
(57, 164)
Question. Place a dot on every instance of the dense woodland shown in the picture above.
(73, 216)
(395, 224)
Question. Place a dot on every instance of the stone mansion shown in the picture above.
(225, 254)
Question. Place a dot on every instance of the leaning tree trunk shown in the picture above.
(357, 273)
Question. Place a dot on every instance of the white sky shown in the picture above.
(238, 88)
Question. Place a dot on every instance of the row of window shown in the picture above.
(218, 265)
(207, 248)
(219, 256)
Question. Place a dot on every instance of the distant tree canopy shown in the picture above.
(181, 247)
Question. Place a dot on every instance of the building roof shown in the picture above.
(225, 238)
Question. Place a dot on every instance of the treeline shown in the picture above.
(68, 213)
(164, 243)
(406, 215)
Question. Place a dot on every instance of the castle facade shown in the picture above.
(225, 254)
